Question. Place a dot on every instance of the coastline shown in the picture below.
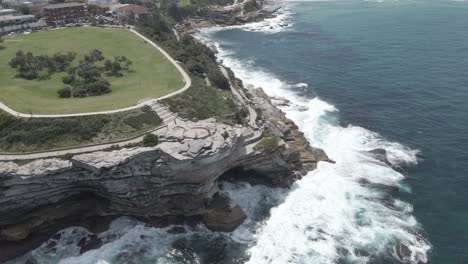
(367, 165)
(294, 158)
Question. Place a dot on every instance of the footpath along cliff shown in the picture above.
(173, 182)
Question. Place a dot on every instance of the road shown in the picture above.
(187, 81)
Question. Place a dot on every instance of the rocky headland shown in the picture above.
(172, 182)
(176, 181)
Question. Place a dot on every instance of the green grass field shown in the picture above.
(152, 74)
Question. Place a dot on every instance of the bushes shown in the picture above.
(36, 131)
(115, 67)
(65, 92)
(146, 117)
(267, 144)
(202, 102)
(218, 79)
(150, 140)
(30, 134)
(86, 79)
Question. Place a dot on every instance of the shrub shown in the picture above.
(251, 6)
(69, 79)
(146, 117)
(67, 156)
(267, 144)
(202, 102)
(150, 140)
(65, 92)
(218, 79)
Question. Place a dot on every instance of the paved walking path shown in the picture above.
(148, 101)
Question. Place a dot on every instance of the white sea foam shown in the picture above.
(280, 23)
(339, 211)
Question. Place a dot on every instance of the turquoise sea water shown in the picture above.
(398, 68)
(390, 75)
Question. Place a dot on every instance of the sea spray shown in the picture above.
(341, 212)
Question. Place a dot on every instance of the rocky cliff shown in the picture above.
(174, 181)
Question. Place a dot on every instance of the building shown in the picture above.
(10, 23)
(9, 12)
(102, 2)
(66, 13)
(127, 10)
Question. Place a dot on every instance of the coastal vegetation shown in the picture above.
(209, 95)
(34, 134)
(153, 76)
(267, 144)
(201, 101)
(150, 140)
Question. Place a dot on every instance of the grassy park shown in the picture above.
(151, 75)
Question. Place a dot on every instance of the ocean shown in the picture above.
(361, 76)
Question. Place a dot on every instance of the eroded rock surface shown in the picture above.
(178, 179)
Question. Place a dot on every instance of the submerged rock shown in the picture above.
(380, 155)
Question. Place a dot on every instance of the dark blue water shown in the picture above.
(396, 68)
(399, 69)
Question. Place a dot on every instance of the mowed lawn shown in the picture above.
(152, 75)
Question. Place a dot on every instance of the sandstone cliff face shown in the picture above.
(176, 179)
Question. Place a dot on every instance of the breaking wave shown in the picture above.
(339, 213)
(280, 23)
(342, 212)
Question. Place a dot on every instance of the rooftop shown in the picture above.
(7, 10)
(130, 8)
(10, 17)
(63, 5)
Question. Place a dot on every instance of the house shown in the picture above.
(127, 10)
(65, 13)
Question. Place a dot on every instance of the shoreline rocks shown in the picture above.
(174, 182)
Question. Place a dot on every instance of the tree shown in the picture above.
(174, 12)
(94, 56)
(27, 65)
(115, 67)
(46, 62)
(1, 46)
(124, 62)
(62, 61)
(88, 71)
(85, 80)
